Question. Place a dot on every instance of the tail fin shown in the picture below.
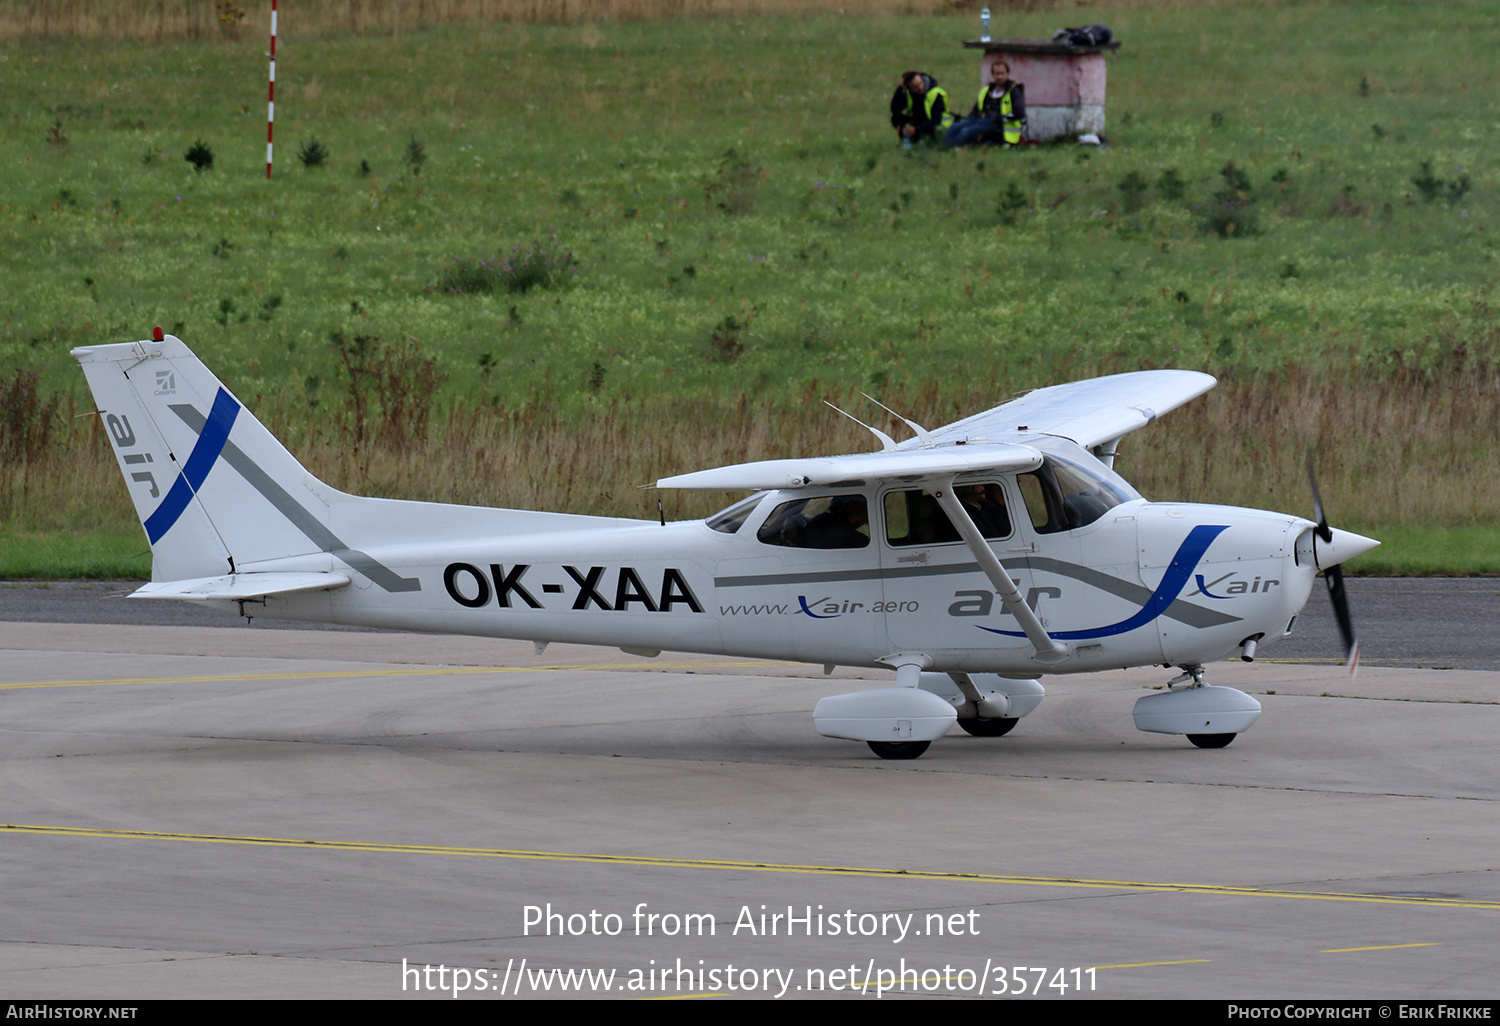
(215, 491)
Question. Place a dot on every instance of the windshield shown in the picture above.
(728, 521)
(1061, 495)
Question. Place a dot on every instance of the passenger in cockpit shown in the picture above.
(985, 505)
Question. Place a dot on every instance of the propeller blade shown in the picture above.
(1333, 575)
(1318, 514)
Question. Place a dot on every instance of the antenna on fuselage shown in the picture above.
(887, 443)
(922, 433)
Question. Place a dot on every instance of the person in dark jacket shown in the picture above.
(919, 109)
(839, 527)
(998, 115)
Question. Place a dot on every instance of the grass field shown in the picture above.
(710, 230)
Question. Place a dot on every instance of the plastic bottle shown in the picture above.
(984, 25)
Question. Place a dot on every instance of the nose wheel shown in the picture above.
(1211, 740)
(898, 749)
(982, 727)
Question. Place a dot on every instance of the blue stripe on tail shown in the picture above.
(199, 462)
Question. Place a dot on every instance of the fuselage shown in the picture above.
(851, 574)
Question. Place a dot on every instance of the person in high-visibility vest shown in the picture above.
(919, 109)
(999, 114)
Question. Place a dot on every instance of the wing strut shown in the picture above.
(1048, 650)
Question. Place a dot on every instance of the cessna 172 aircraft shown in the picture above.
(971, 559)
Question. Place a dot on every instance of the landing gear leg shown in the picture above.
(1192, 676)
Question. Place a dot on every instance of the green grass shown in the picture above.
(1404, 552)
(746, 231)
(62, 556)
(1408, 551)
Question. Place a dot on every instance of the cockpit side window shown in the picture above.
(1063, 496)
(819, 522)
(729, 521)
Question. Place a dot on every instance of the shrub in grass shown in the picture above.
(1232, 214)
(200, 156)
(1431, 186)
(725, 343)
(389, 388)
(467, 276)
(1236, 178)
(1012, 202)
(27, 417)
(1171, 185)
(1134, 188)
(542, 265)
(733, 188)
(231, 16)
(313, 153)
(1229, 218)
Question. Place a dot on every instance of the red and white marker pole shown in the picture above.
(271, 96)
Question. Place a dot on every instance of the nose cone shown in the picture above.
(1345, 545)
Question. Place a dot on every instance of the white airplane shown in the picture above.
(971, 559)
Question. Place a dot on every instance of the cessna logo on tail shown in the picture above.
(472, 587)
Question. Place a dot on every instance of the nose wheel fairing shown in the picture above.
(1209, 715)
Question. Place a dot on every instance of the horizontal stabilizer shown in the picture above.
(241, 587)
(859, 468)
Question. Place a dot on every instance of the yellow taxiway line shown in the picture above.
(308, 843)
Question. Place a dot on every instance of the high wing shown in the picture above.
(1090, 412)
(859, 468)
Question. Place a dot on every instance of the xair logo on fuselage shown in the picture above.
(1232, 588)
(473, 588)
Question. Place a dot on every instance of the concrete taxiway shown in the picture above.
(233, 812)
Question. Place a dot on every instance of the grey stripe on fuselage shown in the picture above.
(1180, 610)
(294, 511)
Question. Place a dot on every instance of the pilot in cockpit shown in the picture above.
(838, 527)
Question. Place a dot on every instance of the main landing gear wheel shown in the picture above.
(899, 749)
(1210, 740)
(981, 727)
